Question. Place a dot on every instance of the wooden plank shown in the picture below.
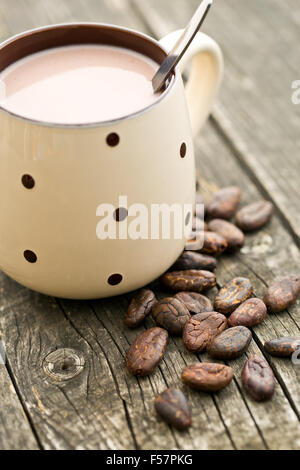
(223, 170)
(255, 110)
(109, 314)
(16, 16)
(88, 411)
(66, 415)
(205, 434)
(103, 11)
(266, 255)
(115, 12)
(83, 412)
(123, 10)
(139, 393)
(214, 167)
(215, 432)
(15, 430)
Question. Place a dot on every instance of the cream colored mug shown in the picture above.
(53, 177)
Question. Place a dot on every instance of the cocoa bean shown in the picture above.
(258, 378)
(213, 244)
(192, 280)
(282, 347)
(233, 294)
(249, 313)
(193, 260)
(233, 235)
(230, 344)
(207, 377)
(282, 293)
(201, 329)
(254, 216)
(194, 302)
(224, 203)
(146, 351)
(171, 314)
(139, 308)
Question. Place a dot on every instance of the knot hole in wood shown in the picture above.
(63, 364)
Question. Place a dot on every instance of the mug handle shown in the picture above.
(205, 77)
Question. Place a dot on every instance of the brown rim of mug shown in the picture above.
(67, 34)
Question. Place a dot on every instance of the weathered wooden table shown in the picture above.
(252, 140)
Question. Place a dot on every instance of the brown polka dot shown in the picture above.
(187, 218)
(30, 256)
(115, 279)
(28, 181)
(183, 150)
(120, 214)
(113, 139)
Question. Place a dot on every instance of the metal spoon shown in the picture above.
(166, 69)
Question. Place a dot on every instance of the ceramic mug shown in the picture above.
(53, 177)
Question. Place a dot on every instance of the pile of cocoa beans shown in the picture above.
(221, 328)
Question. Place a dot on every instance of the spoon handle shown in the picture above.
(170, 62)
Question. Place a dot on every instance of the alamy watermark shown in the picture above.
(2, 353)
(296, 93)
(155, 222)
(296, 357)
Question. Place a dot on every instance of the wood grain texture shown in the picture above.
(85, 412)
(280, 253)
(15, 430)
(104, 407)
(267, 254)
(255, 111)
